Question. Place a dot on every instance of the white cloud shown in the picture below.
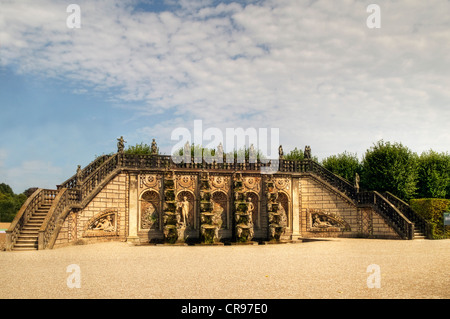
(313, 69)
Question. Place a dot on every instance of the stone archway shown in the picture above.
(191, 218)
(150, 209)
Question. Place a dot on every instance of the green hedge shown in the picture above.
(432, 210)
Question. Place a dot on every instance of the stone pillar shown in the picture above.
(295, 208)
(133, 210)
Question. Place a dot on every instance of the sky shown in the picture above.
(315, 70)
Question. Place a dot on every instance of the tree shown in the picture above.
(390, 167)
(345, 165)
(10, 203)
(433, 175)
(295, 155)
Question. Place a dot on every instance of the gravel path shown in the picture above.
(321, 269)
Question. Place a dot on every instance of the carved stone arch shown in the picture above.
(221, 201)
(256, 208)
(284, 200)
(150, 210)
(190, 196)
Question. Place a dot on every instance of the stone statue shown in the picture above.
(250, 206)
(184, 205)
(105, 224)
(251, 154)
(120, 144)
(219, 153)
(280, 152)
(357, 180)
(154, 148)
(187, 150)
(79, 175)
(319, 223)
(307, 152)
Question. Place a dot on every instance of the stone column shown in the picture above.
(133, 210)
(295, 208)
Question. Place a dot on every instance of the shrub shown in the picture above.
(345, 165)
(390, 167)
(433, 175)
(432, 209)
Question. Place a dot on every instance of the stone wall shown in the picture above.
(85, 225)
(325, 212)
(314, 209)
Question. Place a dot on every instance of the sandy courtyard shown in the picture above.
(320, 269)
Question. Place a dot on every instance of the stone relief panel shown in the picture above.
(102, 224)
(186, 182)
(251, 184)
(320, 220)
(152, 181)
(221, 183)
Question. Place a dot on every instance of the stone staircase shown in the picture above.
(419, 234)
(28, 237)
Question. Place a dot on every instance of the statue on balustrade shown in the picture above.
(154, 148)
(120, 144)
(307, 152)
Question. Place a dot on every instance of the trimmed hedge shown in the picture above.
(432, 210)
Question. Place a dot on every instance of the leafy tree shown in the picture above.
(10, 203)
(139, 149)
(345, 165)
(6, 189)
(295, 155)
(433, 175)
(390, 167)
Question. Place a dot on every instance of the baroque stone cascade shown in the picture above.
(107, 191)
(277, 215)
(210, 218)
(173, 226)
(243, 212)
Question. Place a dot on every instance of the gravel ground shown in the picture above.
(332, 269)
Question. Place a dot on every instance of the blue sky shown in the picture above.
(141, 69)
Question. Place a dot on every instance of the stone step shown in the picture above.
(25, 246)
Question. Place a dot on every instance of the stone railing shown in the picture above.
(62, 204)
(419, 222)
(92, 182)
(73, 182)
(392, 215)
(32, 204)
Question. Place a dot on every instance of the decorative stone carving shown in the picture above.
(186, 182)
(220, 182)
(150, 181)
(103, 224)
(323, 221)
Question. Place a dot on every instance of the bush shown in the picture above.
(432, 209)
(139, 149)
(433, 175)
(10, 203)
(390, 167)
(345, 165)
